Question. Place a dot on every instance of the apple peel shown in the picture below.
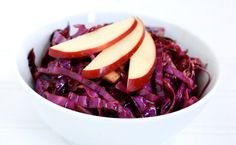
(95, 41)
(142, 64)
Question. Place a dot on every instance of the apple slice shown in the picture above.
(114, 56)
(141, 64)
(94, 41)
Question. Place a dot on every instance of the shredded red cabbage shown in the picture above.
(172, 86)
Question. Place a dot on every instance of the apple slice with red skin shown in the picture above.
(142, 64)
(95, 41)
(113, 57)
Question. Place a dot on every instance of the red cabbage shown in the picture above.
(121, 86)
(157, 31)
(90, 92)
(159, 72)
(145, 107)
(180, 75)
(81, 30)
(150, 96)
(31, 63)
(60, 100)
(59, 36)
(173, 85)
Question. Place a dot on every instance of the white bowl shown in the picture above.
(81, 128)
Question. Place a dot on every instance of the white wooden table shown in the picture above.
(213, 20)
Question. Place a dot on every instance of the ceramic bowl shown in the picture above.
(80, 128)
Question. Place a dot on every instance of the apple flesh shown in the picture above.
(116, 55)
(112, 77)
(142, 64)
(95, 41)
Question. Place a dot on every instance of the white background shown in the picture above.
(213, 20)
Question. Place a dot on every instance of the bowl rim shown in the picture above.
(147, 119)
